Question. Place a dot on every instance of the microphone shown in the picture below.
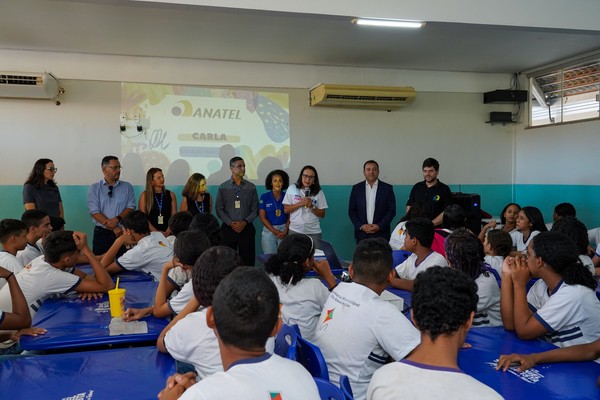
(306, 193)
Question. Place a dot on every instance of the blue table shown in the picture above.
(125, 276)
(72, 322)
(406, 296)
(133, 373)
(544, 381)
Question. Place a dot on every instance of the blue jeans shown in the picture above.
(269, 241)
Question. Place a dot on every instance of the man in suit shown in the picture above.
(372, 205)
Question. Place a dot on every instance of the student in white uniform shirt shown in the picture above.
(530, 222)
(46, 276)
(577, 232)
(567, 311)
(497, 245)
(175, 275)
(443, 306)
(418, 239)
(399, 232)
(244, 314)
(38, 226)
(13, 237)
(301, 299)
(188, 338)
(464, 251)
(358, 330)
(150, 251)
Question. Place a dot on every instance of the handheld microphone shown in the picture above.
(306, 194)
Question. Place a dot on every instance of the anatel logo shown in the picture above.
(182, 108)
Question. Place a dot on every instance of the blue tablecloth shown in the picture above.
(544, 381)
(125, 276)
(72, 322)
(134, 373)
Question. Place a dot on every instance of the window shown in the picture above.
(567, 94)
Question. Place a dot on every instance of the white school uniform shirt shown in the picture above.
(261, 378)
(494, 262)
(571, 313)
(177, 303)
(356, 333)
(179, 277)
(190, 340)
(488, 306)
(11, 263)
(412, 380)
(30, 252)
(38, 281)
(517, 238)
(409, 270)
(302, 303)
(397, 237)
(303, 220)
(150, 254)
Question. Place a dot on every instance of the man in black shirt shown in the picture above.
(432, 193)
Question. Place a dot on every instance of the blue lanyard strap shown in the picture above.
(159, 203)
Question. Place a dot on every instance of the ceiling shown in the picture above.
(200, 32)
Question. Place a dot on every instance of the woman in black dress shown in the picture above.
(157, 202)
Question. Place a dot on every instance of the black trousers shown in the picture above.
(242, 242)
(103, 239)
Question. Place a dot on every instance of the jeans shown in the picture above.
(269, 241)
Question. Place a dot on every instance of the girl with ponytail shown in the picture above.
(562, 305)
(301, 299)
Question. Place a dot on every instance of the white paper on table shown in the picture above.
(119, 327)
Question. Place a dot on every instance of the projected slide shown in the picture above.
(189, 129)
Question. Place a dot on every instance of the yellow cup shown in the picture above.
(116, 298)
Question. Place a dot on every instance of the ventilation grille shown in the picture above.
(24, 80)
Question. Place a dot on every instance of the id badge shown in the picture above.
(238, 204)
(161, 220)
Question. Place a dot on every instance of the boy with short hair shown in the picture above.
(176, 276)
(358, 330)
(444, 302)
(419, 238)
(13, 237)
(187, 338)
(244, 314)
(45, 275)
(151, 251)
(38, 226)
(179, 222)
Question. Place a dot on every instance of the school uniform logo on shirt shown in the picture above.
(329, 315)
(275, 396)
(161, 244)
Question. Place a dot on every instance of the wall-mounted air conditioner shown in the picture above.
(21, 85)
(368, 97)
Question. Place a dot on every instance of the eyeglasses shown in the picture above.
(309, 177)
(51, 169)
(110, 191)
(114, 167)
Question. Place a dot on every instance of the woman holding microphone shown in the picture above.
(306, 204)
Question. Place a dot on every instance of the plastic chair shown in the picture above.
(311, 357)
(346, 388)
(328, 391)
(400, 256)
(286, 342)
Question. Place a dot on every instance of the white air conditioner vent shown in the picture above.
(366, 97)
(22, 85)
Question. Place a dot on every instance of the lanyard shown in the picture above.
(201, 208)
(159, 203)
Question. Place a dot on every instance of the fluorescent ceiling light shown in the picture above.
(394, 23)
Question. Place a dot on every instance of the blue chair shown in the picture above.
(328, 391)
(286, 342)
(400, 256)
(311, 357)
(345, 386)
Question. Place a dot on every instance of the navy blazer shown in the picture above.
(385, 210)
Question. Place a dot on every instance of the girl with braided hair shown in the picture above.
(301, 299)
(562, 305)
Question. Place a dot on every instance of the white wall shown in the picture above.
(446, 120)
